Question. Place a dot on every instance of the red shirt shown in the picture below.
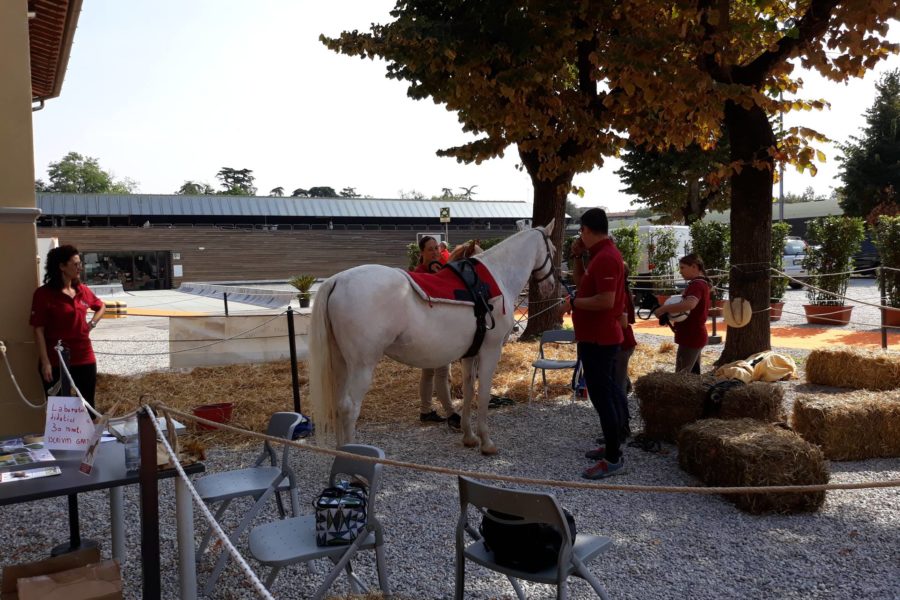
(629, 342)
(445, 256)
(64, 318)
(691, 332)
(605, 273)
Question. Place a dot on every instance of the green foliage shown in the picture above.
(489, 243)
(195, 188)
(349, 192)
(322, 191)
(778, 283)
(412, 255)
(661, 251)
(303, 283)
(674, 183)
(870, 165)
(712, 241)
(236, 182)
(629, 244)
(887, 240)
(77, 174)
(277, 192)
(833, 242)
(808, 195)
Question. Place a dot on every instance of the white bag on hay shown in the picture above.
(740, 369)
(764, 366)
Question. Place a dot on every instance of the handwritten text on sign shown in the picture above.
(68, 427)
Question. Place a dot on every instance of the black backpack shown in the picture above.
(528, 547)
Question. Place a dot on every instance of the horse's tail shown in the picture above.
(326, 363)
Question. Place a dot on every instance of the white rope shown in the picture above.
(16, 383)
(215, 343)
(531, 316)
(829, 293)
(260, 588)
(65, 369)
(878, 326)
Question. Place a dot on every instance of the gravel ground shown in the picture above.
(666, 545)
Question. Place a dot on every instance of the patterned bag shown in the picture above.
(340, 514)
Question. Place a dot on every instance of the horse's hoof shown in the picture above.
(470, 442)
(489, 450)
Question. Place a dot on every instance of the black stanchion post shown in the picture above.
(149, 507)
(884, 341)
(292, 344)
(225, 297)
(714, 338)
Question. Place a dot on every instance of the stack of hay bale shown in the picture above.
(669, 401)
(854, 425)
(739, 446)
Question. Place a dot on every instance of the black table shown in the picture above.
(108, 473)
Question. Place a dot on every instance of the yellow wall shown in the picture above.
(18, 245)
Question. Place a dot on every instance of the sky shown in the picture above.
(165, 91)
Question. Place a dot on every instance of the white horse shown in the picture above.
(368, 311)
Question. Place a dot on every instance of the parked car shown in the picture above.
(867, 258)
(794, 253)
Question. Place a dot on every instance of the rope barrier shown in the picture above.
(542, 482)
(827, 292)
(64, 368)
(260, 588)
(16, 383)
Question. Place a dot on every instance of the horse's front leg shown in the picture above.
(468, 382)
(359, 379)
(487, 364)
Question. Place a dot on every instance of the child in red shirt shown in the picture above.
(690, 334)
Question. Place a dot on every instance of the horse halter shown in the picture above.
(547, 259)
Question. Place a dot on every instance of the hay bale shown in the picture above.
(850, 426)
(746, 452)
(855, 368)
(669, 401)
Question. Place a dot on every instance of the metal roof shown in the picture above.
(165, 206)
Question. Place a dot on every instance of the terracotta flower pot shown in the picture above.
(892, 317)
(220, 413)
(775, 312)
(661, 298)
(827, 315)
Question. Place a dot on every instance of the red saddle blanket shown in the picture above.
(446, 286)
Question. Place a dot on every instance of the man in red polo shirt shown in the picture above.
(597, 313)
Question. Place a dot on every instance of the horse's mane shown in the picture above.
(466, 250)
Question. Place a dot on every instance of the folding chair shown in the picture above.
(259, 482)
(555, 336)
(291, 541)
(531, 507)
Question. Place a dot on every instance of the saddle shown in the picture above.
(478, 292)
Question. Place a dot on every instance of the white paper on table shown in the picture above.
(68, 425)
(130, 426)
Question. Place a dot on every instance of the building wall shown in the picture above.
(215, 255)
(18, 245)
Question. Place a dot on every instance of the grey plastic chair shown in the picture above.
(531, 507)
(292, 541)
(554, 336)
(260, 482)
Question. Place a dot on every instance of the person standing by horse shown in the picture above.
(690, 334)
(445, 252)
(59, 313)
(429, 256)
(597, 312)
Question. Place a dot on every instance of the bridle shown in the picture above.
(548, 262)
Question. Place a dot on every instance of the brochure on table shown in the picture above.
(22, 451)
(29, 474)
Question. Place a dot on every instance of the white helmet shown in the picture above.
(676, 317)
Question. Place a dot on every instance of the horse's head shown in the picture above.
(543, 272)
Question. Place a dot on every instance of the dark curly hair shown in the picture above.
(55, 259)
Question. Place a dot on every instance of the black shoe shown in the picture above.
(454, 422)
(431, 417)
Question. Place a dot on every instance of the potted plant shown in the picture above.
(303, 283)
(887, 240)
(628, 242)
(661, 251)
(828, 262)
(712, 242)
(778, 283)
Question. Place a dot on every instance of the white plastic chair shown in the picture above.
(292, 541)
(530, 507)
(261, 482)
(554, 336)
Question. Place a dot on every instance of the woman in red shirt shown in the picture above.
(59, 313)
(690, 334)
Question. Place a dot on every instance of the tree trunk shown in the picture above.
(549, 203)
(750, 135)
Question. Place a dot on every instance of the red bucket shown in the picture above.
(220, 413)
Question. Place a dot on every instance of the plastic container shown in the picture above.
(132, 454)
(220, 413)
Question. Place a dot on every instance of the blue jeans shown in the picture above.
(599, 375)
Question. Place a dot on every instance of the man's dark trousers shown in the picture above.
(599, 367)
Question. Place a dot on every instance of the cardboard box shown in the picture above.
(57, 564)
(99, 581)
